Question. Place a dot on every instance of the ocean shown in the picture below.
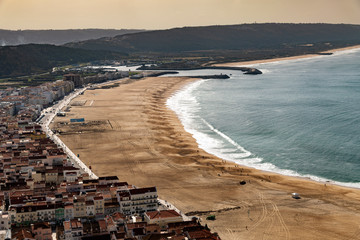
(300, 118)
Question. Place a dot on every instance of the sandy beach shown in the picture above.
(129, 132)
(244, 63)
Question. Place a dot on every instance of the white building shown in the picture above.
(46, 213)
(138, 200)
(90, 208)
(5, 234)
(69, 211)
(4, 221)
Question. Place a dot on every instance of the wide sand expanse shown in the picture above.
(129, 132)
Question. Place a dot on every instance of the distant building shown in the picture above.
(69, 211)
(75, 78)
(5, 234)
(4, 221)
(99, 206)
(79, 207)
(90, 208)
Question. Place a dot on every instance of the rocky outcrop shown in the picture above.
(253, 71)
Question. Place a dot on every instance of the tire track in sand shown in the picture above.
(355, 235)
(271, 219)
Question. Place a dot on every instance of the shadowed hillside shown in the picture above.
(34, 58)
(232, 37)
(213, 44)
(57, 37)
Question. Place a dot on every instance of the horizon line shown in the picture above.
(188, 26)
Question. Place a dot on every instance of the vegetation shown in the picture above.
(34, 58)
(232, 37)
(181, 48)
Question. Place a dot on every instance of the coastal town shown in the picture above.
(45, 194)
(179, 120)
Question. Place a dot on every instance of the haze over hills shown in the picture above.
(229, 37)
(57, 37)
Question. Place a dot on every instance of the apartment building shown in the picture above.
(138, 200)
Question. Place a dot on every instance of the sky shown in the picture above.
(164, 14)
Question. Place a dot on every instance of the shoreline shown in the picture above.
(309, 178)
(138, 138)
(246, 63)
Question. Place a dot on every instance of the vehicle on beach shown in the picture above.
(61, 114)
(295, 195)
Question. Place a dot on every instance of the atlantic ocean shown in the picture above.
(300, 118)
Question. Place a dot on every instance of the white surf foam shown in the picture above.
(215, 142)
(348, 51)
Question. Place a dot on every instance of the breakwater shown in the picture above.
(245, 70)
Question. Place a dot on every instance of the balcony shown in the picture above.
(145, 198)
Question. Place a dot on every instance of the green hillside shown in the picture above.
(34, 58)
(232, 37)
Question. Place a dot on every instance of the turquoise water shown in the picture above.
(300, 118)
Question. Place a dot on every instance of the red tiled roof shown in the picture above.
(203, 235)
(43, 225)
(162, 214)
(142, 190)
(102, 225)
(67, 225)
(117, 216)
(75, 224)
(182, 224)
(136, 225)
(22, 235)
(124, 194)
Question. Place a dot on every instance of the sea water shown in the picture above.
(300, 118)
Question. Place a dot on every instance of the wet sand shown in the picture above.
(129, 132)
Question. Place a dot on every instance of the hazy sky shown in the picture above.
(161, 14)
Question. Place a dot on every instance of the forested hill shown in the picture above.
(215, 43)
(230, 37)
(34, 58)
(57, 37)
